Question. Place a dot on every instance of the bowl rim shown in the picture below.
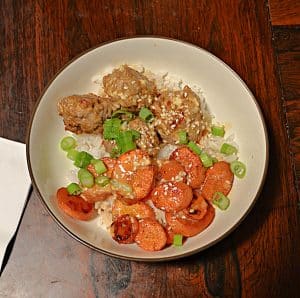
(150, 259)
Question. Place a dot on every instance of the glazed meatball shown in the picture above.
(85, 113)
(131, 88)
(175, 111)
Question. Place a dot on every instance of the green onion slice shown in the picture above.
(238, 169)
(102, 180)
(111, 128)
(220, 200)
(74, 189)
(182, 136)
(72, 154)
(146, 114)
(99, 166)
(206, 160)
(127, 115)
(125, 141)
(67, 143)
(83, 159)
(194, 147)
(85, 178)
(228, 149)
(177, 240)
(218, 131)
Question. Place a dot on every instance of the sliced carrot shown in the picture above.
(151, 235)
(139, 210)
(124, 229)
(180, 223)
(172, 196)
(197, 209)
(74, 206)
(192, 165)
(134, 168)
(218, 178)
(171, 170)
(96, 193)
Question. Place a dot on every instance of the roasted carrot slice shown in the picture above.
(171, 170)
(134, 168)
(192, 165)
(172, 196)
(124, 229)
(218, 178)
(74, 206)
(151, 235)
(96, 193)
(139, 210)
(197, 209)
(180, 223)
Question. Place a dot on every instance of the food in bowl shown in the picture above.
(149, 159)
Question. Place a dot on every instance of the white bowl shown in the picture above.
(227, 96)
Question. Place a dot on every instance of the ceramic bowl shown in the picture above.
(228, 99)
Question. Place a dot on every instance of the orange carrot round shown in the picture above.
(74, 206)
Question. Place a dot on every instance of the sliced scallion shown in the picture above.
(238, 169)
(182, 136)
(83, 159)
(194, 147)
(99, 166)
(85, 178)
(102, 180)
(74, 189)
(111, 128)
(67, 143)
(146, 114)
(228, 149)
(177, 240)
(72, 154)
(206, 160)
(125, 141)
(218, 131)
(220, 200)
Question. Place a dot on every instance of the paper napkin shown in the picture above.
(14, 188)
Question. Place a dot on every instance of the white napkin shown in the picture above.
(14, 187)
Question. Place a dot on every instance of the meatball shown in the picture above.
(131, 88)
(175, 111)
(85, 113)
(148, 140)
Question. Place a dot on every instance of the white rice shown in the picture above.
(92, 144)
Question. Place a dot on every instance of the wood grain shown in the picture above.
(285, 12)
(287, 45)
(259, 259)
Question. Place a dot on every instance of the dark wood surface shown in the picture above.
(261, 258)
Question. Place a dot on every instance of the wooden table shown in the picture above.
(261, 258)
